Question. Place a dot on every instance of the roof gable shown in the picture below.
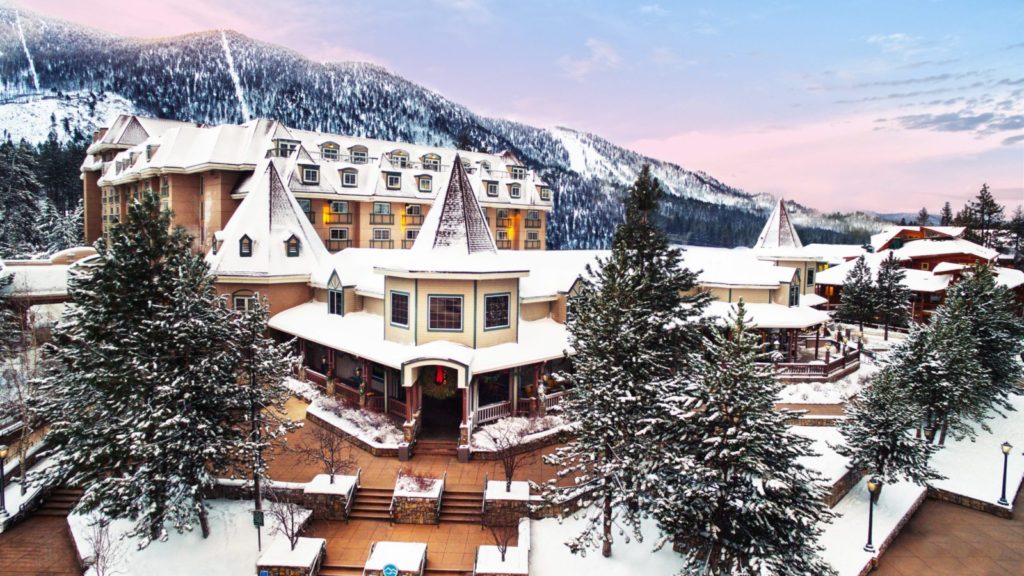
(456, 221)
(778, 231)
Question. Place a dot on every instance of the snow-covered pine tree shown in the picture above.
(939, 368)
(990, 311)
(263, 366)
(19, 206)
(878, 433)
(142, 385)
(628, 324)
(858, 301)
(946, 215)
(988, 217)
(61, 229)
(1016, 229)
(923, 218)
(732, 494)
(891, 296)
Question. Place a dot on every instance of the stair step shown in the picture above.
(369, 516)
(52, 512)
(343, 571)
(470, 509)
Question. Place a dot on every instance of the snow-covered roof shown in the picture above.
(36, 279)
(362, 334)
(927, 248)
(768, 316)
(268, 217)
(812, 300)
(914, 279)
(406, 556)
(778, 231)
(457, 223)
(881, 240)
(834, 253)
(280, 553)
(734, 268)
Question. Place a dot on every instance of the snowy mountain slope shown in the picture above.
(222, 76)
(28, 116)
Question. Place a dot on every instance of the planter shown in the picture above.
(281, 560)
(330, 501)
(407, 558)
(501, 506)
(414, 504)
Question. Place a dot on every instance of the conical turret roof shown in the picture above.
(779, 231)
(456, 222)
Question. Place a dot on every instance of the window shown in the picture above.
(412, 233)
(432, 162)
(394, 181)
(339, 207)
(925, 266)
(532, 235)
(286, 147)
(794, 294)
(382, 234)
(545, 193)
(492, 189)
(424, 184)
(358, 154)
(243, 300)
(399, 158)
(310, 174)
(329, 152)
(381, 208)
(502, 213)
(215, 245)
(496, 311)
(245, 246)
(517, 172)
(533, 214)
(399, 309)
(336, 302)
(514, 190)
(502, 234)
(445, 313)
(306, 204)
(338, 233)
(292, 245)
(350, 178)
(413, 209)
(810, 276)
(485, 165)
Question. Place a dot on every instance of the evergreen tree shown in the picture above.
(733, 493)
(61, 229)
(628, 322)
(858, 300)
(988, 217)
(1016, 230)
(923, 218)
(143, 382)
(891, 295)
(19, 206)
(877, 430)
(946, 215)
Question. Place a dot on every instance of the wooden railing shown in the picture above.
(407, 243)
(375, 403)
(382, 243)
(396, 407)
(339, 218)
(531, 245)
(335, 245)
(533, 222)
(382, 219)
(553, 399)
(503, 244)
(820, 370)
(316, 378)
(493, 412)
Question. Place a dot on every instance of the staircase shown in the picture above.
(372, 504)
(461, 507)
(60, 502)
(448, 448)
(331, 569)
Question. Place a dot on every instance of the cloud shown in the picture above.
(963, 121)
(1013, 140)
(1015, 46)
(653, 10)
(919, 80)
(669, 58)
(602, 56)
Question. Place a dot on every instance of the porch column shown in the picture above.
(329, 377)
(817, 340)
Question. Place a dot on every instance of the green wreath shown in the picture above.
(438, 390)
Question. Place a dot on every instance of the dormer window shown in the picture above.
(432, 162)
(286, 147)
(492, 189)
(310, 174)
(245, 246)
(329, 151)
(517, 172)
(215, 246)
(514, 191)
(424, 183)
(394, 180)
(292, 246)
(545, 193)
(399, 158)
(358, 154)
(350, 178)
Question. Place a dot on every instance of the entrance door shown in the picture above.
(442, 403)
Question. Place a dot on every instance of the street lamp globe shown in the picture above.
(3, 451)
(1006, 447)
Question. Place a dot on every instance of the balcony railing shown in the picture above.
(413, 219)
(532, 245)
(493, 412)
(818, 371)
(503, 244)
(336, 218)
(335, 245)
(504, 222)
(382, 219)
(382, 243)
(407, 243)
(533, 222)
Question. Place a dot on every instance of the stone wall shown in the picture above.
(842, 486)
(327, 506)
(379, 452)
(972, 503)
(323, 506)
(409, 510)
(496, 511)
(294, 570)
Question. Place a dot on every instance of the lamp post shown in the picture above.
(3, 458)
(1006, 448)
(873, 485)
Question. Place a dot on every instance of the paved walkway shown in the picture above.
(945, 539)
(39, 546)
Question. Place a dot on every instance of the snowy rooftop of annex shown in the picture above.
(770, 315)
(362, 334)
(734, 267)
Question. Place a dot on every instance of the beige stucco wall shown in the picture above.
(392, 332)
(280, 296)
(535, 310)
(805, 288)
(496, 336)
(373, 305)
(749, 295)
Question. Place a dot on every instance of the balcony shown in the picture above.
(413, 219)
(408, 243)
(504, 222)
(336, 245)
(387, 219)
(503, 244)
(533, 223)
(335, 218)
(382, 243)
(532, 245)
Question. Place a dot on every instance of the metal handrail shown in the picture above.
(440, 496)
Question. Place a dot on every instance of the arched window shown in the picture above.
(424, 183)
(329, 151)
(431, 162)
(349, 177)
(399, 158)
(243, 300)
(245, 246)
(292, 245)
(358, 154)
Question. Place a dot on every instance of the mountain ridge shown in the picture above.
(216, 76)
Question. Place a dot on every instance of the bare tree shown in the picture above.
(504, 528)
(328, 450)
(19, 373)
(289, 518)
(108, 553)
(508, 436)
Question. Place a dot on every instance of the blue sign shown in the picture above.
(390, 570)
(264, 572)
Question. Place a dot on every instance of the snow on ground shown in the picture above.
(321, 484)
(13, 498)
(550, 556)
(406, 556)
(280, 552)
(827, 462)
(975, 469)
(844, 539)
(517, 558)
(531, 428)
(28, 117)
(375, 429)
(229, 551)
(418, 487)
(830, 392)
(303, 390)
(496, 490)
